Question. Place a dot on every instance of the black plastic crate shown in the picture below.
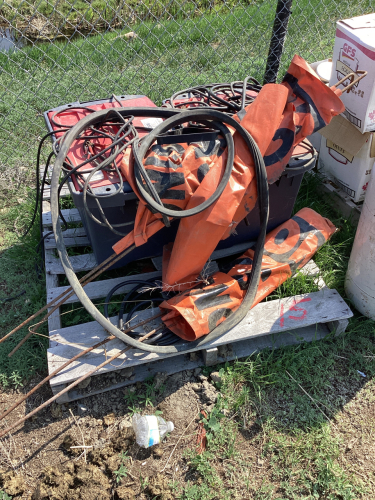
(123, 207)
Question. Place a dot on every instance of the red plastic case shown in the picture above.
(70, 114)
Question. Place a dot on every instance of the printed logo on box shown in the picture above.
(338, 153)
(347, 62)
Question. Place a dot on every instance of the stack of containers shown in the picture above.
(347, 149)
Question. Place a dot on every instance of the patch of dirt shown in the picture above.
(355, 426)
(11, 483)
(74, 481)
(124, 493)
(40, 463)
(158, 487)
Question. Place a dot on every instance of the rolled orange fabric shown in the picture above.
(289, 247)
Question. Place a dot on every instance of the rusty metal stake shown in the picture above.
(77, 356)
(94, 273)
(69, 387)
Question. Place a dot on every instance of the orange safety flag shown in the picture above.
(177, 172)
(289, 247)
(279, 118)
(310, 106)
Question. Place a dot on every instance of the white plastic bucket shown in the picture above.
(360, 277)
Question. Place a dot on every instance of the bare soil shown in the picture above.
(37, 462)
(356, 426)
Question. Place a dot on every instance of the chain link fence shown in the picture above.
(57, 52)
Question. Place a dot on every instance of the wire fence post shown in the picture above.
(279, 31)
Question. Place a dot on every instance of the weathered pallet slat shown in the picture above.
(79, 263)
(52, 281)
(99, 289)
(325, 306)
(238, 350)
(72, 232)
(47, 192)
(343, 202)
(73, 237)
(70, 215)
(340, 200)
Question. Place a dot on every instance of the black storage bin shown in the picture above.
(118, 209)
(282, 197)
(123, 207)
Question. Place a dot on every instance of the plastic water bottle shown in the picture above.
(150, 429)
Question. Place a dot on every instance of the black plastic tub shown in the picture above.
(122, 208)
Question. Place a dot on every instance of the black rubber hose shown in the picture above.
(137, 306)
(128, 297)
(253, 279)
(40, 246)
(140, 150)
(64, 110)
(35, 211)
(117, 287)
(234, 91)
(167, 337)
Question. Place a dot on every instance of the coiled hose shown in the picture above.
(179, 116)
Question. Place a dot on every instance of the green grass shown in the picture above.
(64, 15)
(17, 273)
(217, 45)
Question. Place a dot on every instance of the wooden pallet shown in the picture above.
(291, 320)
(341, 201)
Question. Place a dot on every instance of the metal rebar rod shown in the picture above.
(84, 281)
(69, 387)
(47, 306)
(70, 361)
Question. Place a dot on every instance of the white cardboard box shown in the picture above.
(354, 51)
(347, 156)
(316, 138)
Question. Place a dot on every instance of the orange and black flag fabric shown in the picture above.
(177, 171)
(197, 311)
(185, 176)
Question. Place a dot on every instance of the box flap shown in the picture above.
(372, 150)
(367, 21)
(341, 132)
